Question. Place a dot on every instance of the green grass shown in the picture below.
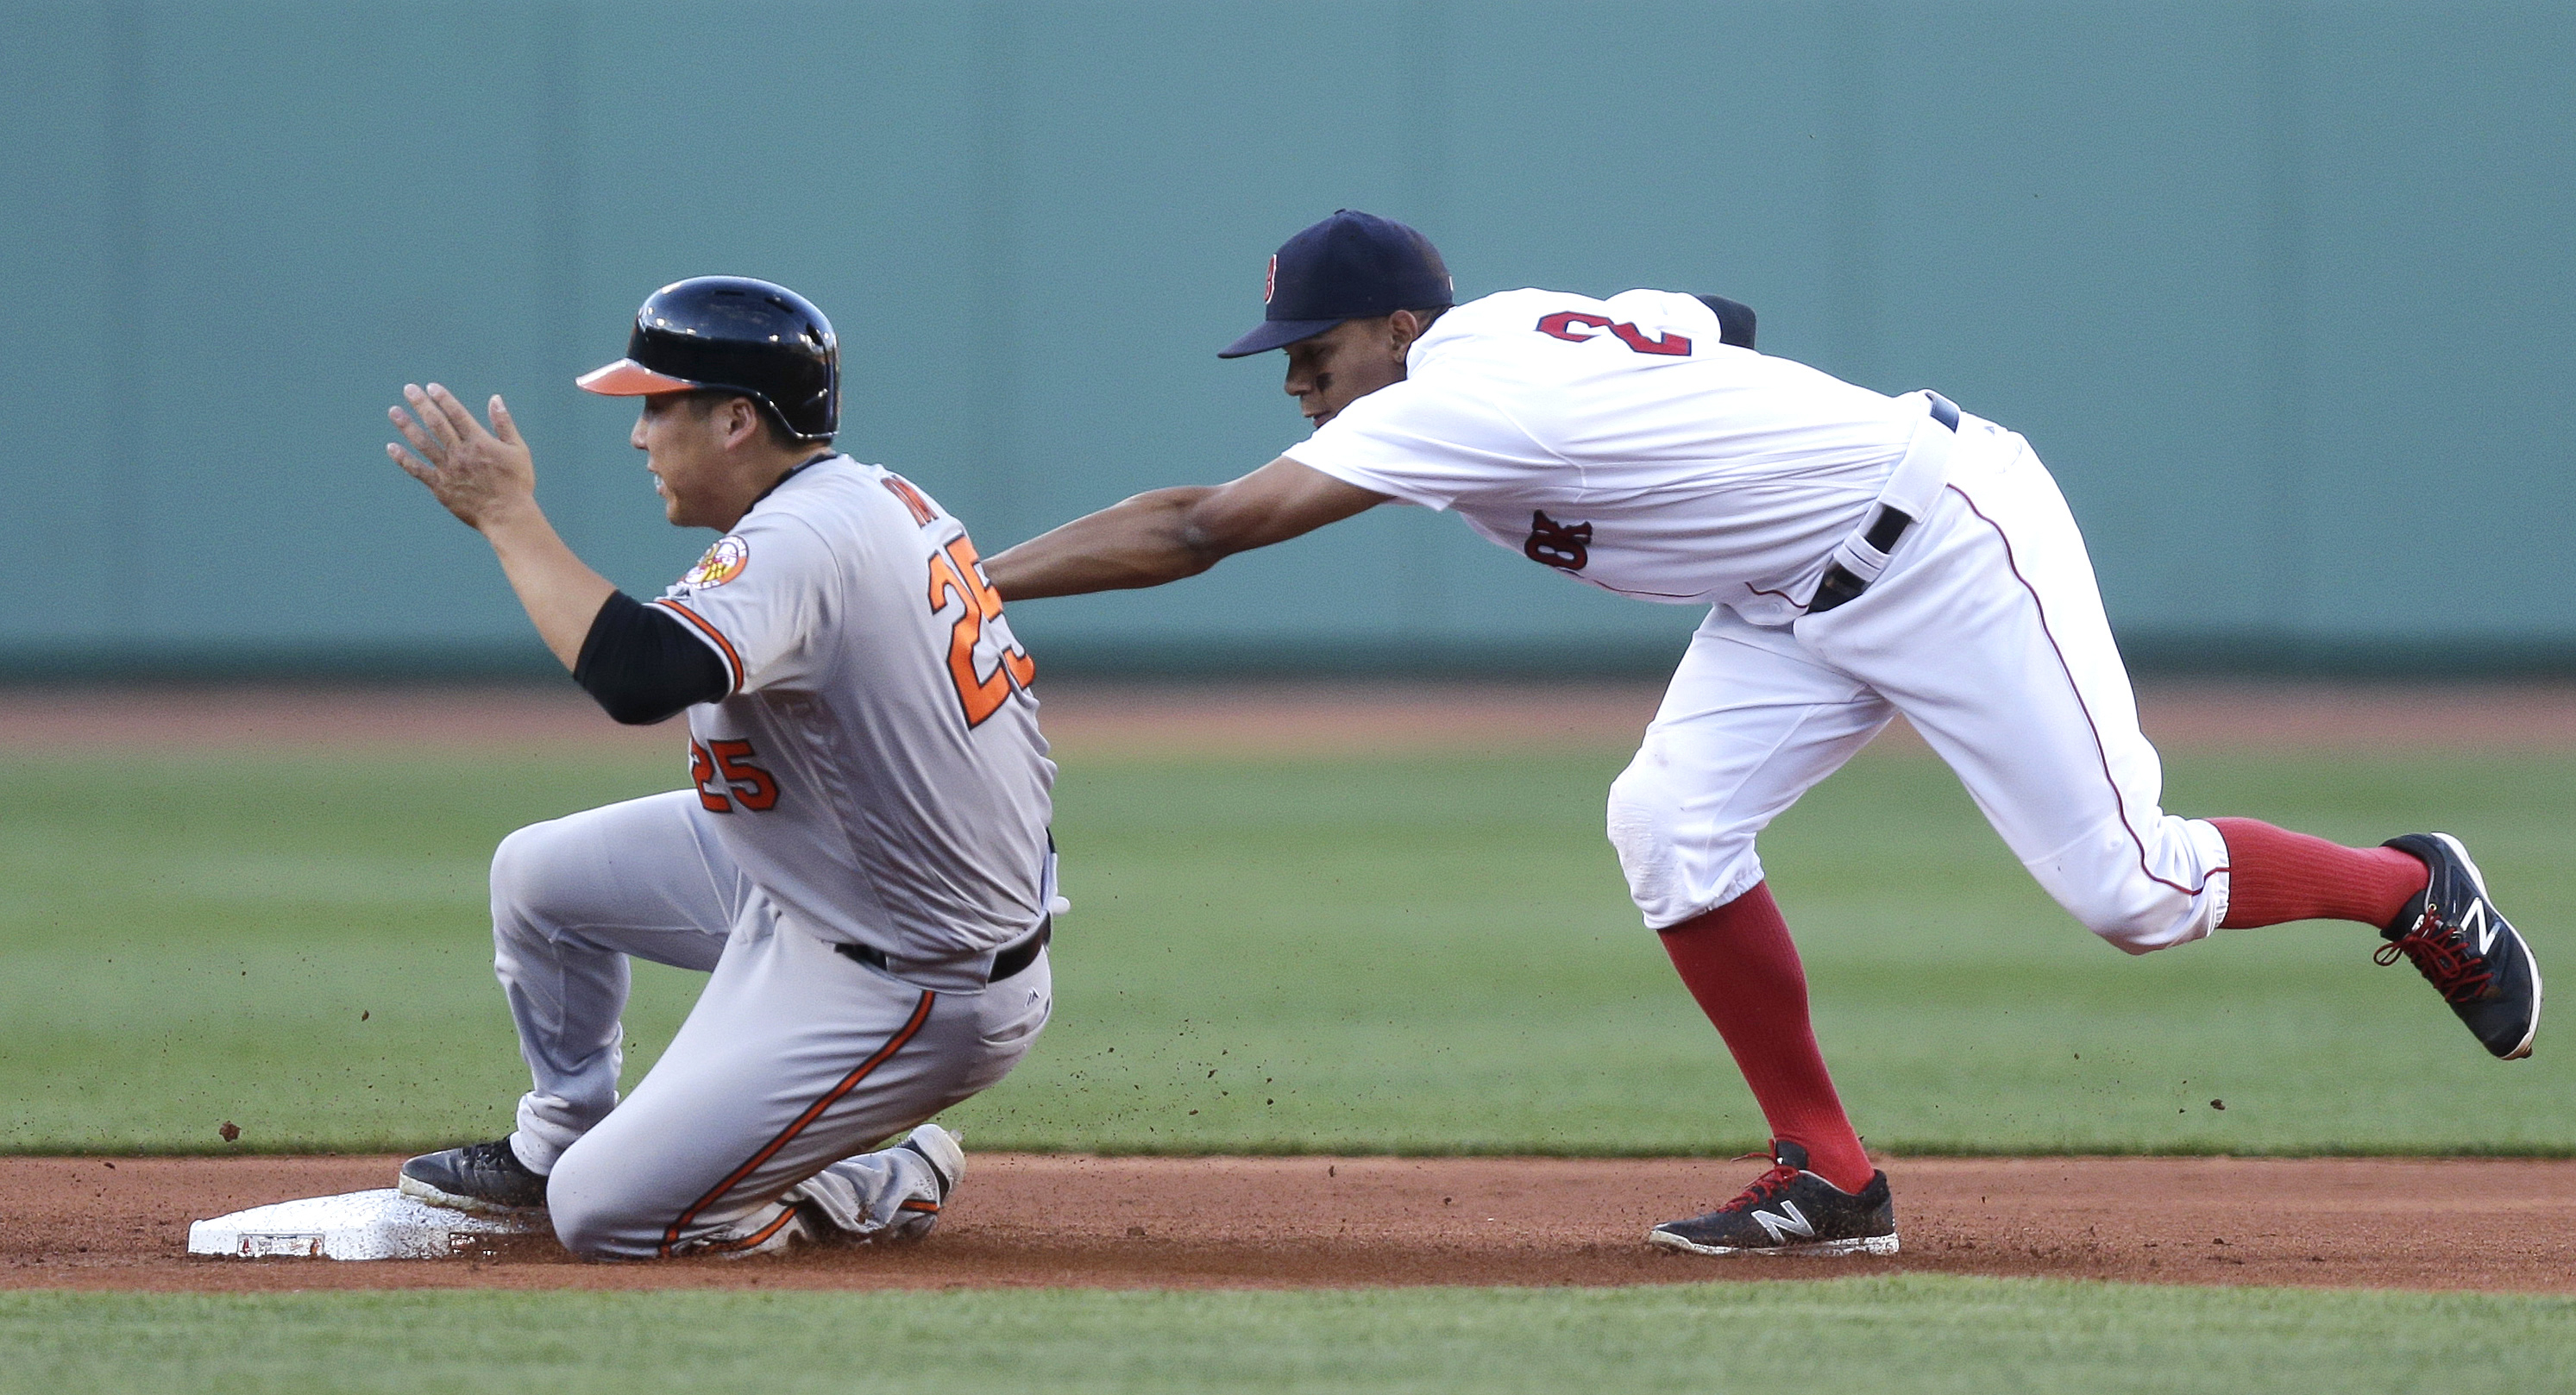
(1905, 1334)
(1426, 954)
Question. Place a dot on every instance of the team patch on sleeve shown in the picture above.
(723, 563)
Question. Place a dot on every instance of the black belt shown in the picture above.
(1839, 584)
(1011, 960)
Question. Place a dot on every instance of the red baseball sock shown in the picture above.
(2274, 875)
(1738, 962)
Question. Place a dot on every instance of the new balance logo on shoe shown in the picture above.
(2476, 919)
(1778, 1226)
(1790, 1211)
(2466, 948)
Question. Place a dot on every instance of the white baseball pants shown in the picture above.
(1987, 632)
(795, 1060)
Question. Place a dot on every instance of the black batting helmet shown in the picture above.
(733, 334)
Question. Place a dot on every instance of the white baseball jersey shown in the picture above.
(877, 762)
(1619, 442)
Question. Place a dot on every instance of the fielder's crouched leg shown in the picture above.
(795, 1059)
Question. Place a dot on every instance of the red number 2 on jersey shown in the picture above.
(956, 571)
(1564, 324)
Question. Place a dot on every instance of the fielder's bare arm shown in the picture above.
(1860, 556)
(860, 862)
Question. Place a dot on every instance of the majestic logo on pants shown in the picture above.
(1780, 1226)
(1559, 545)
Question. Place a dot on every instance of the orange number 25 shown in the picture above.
(955, 570)
(725, 777)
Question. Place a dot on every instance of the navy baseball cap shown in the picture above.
(1351, 266)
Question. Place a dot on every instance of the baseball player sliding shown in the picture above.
(860, 862)
(1861, 556)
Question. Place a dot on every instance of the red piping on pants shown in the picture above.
(2099, 749)
(814, 1111)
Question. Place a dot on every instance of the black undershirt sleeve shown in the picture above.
(1734, 320)
(642, 665)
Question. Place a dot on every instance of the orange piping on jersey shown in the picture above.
(814, 1111)
(733, 661)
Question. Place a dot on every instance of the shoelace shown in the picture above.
(498, 1157)
(2442, 955)
(1765, 1187)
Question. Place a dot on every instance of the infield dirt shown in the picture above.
(1075, 1221)
(1070, 1220)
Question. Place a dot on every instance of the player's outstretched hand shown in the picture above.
(480, 475)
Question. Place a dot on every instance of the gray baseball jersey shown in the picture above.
(873, 777)
(877, 762)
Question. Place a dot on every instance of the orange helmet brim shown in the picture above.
(627, 378)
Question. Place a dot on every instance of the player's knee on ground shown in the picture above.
(599, 1214)
(1677, 860)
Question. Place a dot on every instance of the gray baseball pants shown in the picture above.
(796, 1060)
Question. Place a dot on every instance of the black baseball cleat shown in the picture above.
(486, 1177)
(1790, 1211)
(2466, 948)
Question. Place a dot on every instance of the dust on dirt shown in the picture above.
(1020, 1220)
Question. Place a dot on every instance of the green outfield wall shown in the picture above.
(2283, 291)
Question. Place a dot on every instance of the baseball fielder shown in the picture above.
(1861, 556)
(860, 862)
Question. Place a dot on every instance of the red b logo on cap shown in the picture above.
(1270, 282)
